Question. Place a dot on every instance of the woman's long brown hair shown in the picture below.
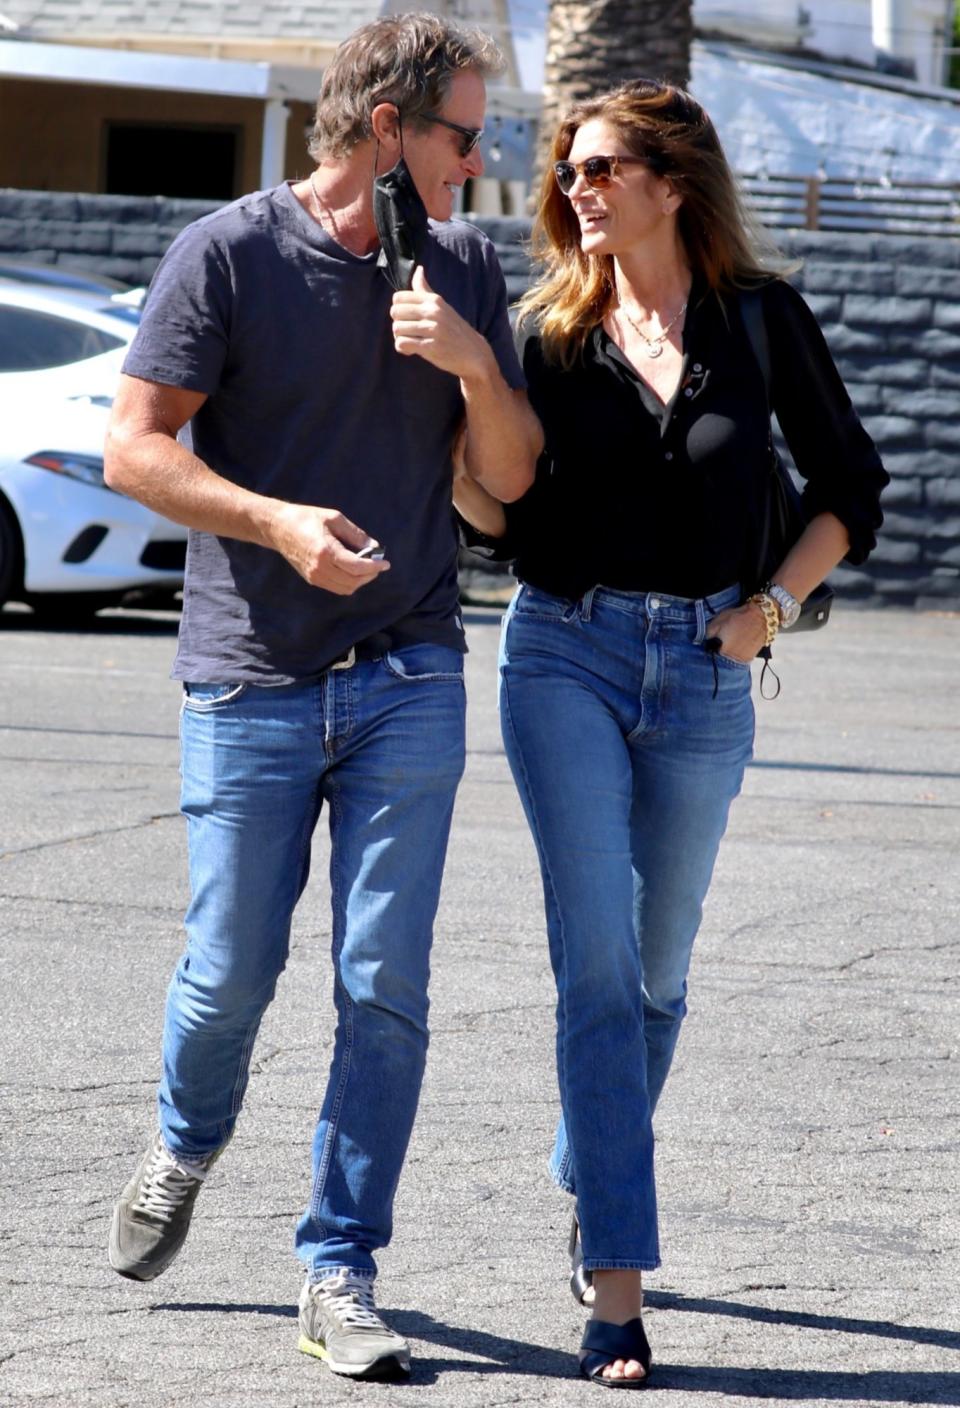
(724, 245)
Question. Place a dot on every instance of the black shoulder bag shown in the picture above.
(784, 520)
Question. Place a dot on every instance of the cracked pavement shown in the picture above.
(808, 1139)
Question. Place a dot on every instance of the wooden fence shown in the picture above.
(813, 203)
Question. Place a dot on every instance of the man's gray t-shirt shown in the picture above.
(289, 336)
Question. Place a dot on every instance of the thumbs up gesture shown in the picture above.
(425, 325)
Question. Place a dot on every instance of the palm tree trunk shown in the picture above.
(594, 44)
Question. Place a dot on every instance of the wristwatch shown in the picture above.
(787, 605)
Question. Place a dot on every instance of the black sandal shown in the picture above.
(581, 1280)
(603, 1343)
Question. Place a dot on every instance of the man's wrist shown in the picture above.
(484, 376)
(266, 521)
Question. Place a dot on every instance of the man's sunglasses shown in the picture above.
(597, 171)
(469, 136)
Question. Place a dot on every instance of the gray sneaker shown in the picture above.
(340, 1325)
(152, 1218)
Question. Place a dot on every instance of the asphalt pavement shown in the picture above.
(808, 1139)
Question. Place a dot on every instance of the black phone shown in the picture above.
(373, 551)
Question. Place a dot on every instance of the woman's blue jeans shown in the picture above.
(628, 742)
(382, 743)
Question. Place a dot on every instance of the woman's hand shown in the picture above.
(742, 631)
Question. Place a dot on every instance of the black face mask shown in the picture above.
(401, 220)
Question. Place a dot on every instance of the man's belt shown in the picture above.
(371, 648)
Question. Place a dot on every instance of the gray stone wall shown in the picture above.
(122, 236)
(889, 307)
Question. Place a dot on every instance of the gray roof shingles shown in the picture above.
(333, 20)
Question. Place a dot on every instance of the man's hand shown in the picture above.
(503, 435)
(424, 325)
(322, 545)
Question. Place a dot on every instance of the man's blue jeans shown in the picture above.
(382, 743)
(628, 745)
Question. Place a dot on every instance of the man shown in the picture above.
(322, 411)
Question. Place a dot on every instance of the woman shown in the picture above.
(625, 666)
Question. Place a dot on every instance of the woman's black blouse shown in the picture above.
(640, 496)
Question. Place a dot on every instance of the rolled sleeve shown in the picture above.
(837, 460)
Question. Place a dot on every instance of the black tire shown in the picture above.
(11, 554)
(69, 609)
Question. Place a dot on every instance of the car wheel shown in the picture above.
(69, 608)
(11, 554)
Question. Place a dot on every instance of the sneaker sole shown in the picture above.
(388, 1366)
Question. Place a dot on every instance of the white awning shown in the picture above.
(181, 73)
(172, 73)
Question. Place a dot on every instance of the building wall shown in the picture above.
(53, 135)
(841, 30)
(889, 307)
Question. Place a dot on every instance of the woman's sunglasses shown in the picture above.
(597, 171)
(469, 136)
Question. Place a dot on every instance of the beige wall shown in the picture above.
(52, 135)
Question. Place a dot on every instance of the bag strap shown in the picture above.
(755, 326)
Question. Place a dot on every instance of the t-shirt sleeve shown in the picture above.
(184, 329)
(495, 324)
(831, 449)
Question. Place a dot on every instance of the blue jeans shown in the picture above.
(627, 750)
(382, 743)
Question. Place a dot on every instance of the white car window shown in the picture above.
(31, 341)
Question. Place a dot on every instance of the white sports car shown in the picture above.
(69, 545)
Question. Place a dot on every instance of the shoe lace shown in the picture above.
(350, 1300)
(165, 1185)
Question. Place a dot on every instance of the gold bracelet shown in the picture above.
(771, 614)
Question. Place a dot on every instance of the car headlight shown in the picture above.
(87, 468)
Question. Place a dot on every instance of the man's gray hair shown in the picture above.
(408, 60)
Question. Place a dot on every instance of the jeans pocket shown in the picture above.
(729, 660)
(206, 698)
(441, 663)
(533, 604)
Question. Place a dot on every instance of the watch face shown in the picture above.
(787, 605)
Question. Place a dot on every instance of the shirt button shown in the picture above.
(668, 455)
(697, 367)
(689, 391)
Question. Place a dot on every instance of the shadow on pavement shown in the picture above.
(820, 1385)
(886, 1329)
(775, 766)
(508, 1356)
(115, 622)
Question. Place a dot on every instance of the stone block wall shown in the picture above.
(889, 307)
(123, 237)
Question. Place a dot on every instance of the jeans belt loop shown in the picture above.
(586, 604)
(700, 606)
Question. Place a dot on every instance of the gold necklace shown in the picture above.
(654, 345)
